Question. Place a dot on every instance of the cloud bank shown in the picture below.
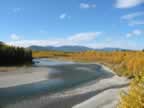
(134, 33)
(132, 20)
(128, 3)
(14, 37)
(75, 39)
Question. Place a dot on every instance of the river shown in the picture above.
(47, 78)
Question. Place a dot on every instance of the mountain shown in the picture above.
(62, 48)
(72, 48)
(112, 49)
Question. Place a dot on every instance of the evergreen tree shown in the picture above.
(10, 55)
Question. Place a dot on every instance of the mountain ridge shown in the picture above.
(74, 48)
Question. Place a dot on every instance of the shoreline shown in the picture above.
(17, 78)
(94, 94)
(76, 97)
(94, 91)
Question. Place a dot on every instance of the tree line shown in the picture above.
(10, 55)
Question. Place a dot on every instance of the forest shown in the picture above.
(10, 55)
(125, 63)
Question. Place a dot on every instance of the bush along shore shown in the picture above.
(10, 55)
(125, 63)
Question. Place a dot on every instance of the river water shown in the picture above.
(56, 76)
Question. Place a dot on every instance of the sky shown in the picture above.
(92, 23)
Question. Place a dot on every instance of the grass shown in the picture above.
(134, 98)
(49, 54)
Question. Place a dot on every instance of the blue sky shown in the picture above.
(92, 23)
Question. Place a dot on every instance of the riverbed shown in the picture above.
(59, 84)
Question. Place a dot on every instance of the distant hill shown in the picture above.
(112, 49)
(62, 48)
(72, 48)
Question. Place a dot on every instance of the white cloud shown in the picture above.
(137, 32)
(134, 33)
(128, 35)
(84, 36)
(132, 15)
(76, 39)
(14, 37)
(128, 3)
(133, 23)
(132, 20)
(84, 39)
(87, 5)
(63, 16)
(26, 43)
(116, 43)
